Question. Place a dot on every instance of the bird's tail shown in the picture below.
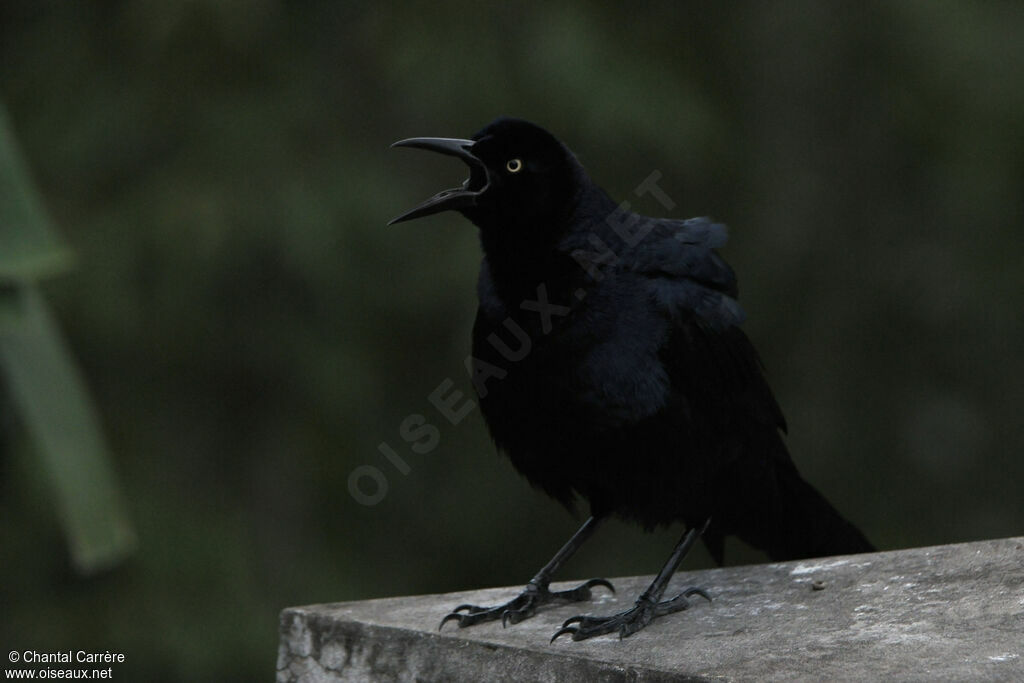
(809, 526)
(796, 523)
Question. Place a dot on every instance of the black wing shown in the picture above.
(717, 380)
(710, 361)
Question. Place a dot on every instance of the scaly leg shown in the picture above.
(648, 606)
(536, 592)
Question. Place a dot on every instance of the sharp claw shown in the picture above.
(562, 631)
(451, 617)
(599, 582)
(697, 591)
(629, 622)
(523, 606)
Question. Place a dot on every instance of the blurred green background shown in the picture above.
(250, 331)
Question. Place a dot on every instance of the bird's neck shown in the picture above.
(517, 270)
(520, 258)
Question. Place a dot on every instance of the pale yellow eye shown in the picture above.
(514, 165)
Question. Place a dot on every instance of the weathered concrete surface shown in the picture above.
(951, 612)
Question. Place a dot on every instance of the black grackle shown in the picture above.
(610, 366)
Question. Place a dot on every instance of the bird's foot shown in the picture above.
(523, 606)
(632, 620)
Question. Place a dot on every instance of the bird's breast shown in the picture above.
(552, 366)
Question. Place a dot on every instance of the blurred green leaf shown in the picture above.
(29, 248)
(52, 400)
(42, 377)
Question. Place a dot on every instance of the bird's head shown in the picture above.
(520, 177)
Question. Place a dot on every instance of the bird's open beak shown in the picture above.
(455, 198)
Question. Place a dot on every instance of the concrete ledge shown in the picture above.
(952, 612)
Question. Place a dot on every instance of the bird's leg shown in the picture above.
(648, 606)
(536, 592)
